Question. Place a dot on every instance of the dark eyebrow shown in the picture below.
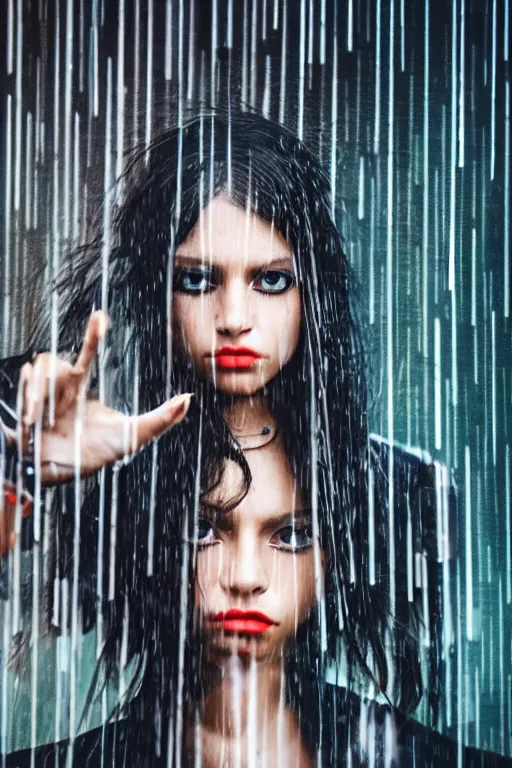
(287, 518)
(279, 520)
(191, 259)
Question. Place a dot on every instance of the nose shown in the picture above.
(244, 572)
(233, 312)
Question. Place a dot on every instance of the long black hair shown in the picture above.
(319, 400)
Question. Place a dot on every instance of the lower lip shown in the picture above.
(244, 626)
(236, 361)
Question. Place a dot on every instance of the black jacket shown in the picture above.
(388, 739)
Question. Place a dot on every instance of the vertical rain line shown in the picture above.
(68, 82)
(29, 174)
(136, 75)
(376, 135)
(473, 279)
(311, 43)
(461, 80)
(437, 383)
(501, 639)
(120, 95)
(107, 187)
(453, 149)
(213, 60)
(95, 62)
(284, 41)
(168, 40)
(402, 35)
(191, 51)
(425, 245)
(302, 64)
(373, 205)
(350, 26)
(389, 304)
(506, 204)
(508, 526)
(36, 549)
(493, 387)
(10, 36)
(322, 44)
(469, 546)
(152, 506)
(334, 113)
(371, 525)
(75, 584)
(56, 200)
(493, 92)
(99, 576)
(19, 106)
(506, 36)
(76, 181)
(245, 57)
(6, 290)
(149, 78)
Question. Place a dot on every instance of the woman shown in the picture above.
(227, 281)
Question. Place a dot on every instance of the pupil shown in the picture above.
(203, 528)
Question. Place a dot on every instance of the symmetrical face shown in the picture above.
(236, 305)
(255, 571)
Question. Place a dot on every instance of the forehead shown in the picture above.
(273, 491)
(225, 234)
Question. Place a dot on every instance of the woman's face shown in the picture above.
(236, 305)
(258, 560)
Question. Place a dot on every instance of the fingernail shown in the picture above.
(179, 405)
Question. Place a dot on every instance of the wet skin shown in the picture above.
(260, 557)
(235, 289)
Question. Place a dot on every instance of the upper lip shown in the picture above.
(236, 351)
(236, 613)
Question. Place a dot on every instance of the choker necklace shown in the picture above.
(257, 440)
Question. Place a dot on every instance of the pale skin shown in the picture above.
(235, 285)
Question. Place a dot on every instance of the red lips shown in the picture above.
(236, 357)
(245, 622)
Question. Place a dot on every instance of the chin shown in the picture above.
(220, 650)
(234, 384)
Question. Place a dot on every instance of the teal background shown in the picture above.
(408, 106)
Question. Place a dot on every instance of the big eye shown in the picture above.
(291, 539)
(193, 280)
(274, 281)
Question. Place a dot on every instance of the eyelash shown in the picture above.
(283, 547)
(182, 275)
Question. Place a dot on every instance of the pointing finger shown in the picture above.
(97, 326)
(151, 425)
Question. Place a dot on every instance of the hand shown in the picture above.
(84, 433)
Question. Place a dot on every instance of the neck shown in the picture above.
(244, 697)
(248, 415)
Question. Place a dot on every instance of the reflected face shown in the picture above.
(236, 305)
(255, 568)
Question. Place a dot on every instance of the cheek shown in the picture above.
(207, 579)
(295, 585)
(289, 326)
(187, 328)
